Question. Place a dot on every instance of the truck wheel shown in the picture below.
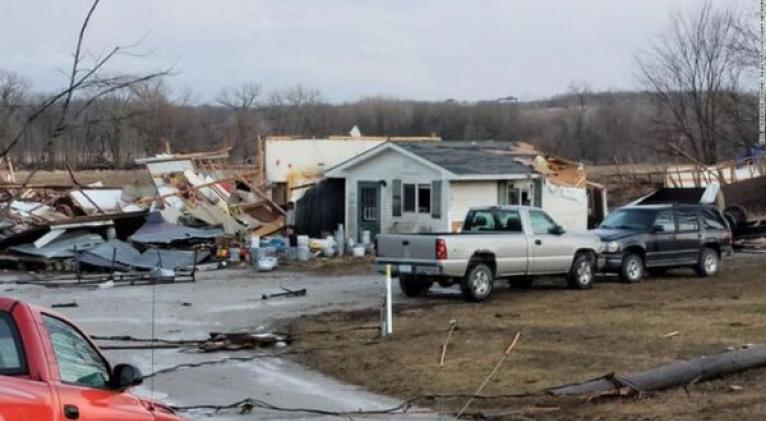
(477, 284)
(413, 286)
(632, 268)
(581, 274)
(708, 263)
(521, 282)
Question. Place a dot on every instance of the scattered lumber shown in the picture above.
(679, 373)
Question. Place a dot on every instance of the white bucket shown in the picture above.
(304, 254)
(358, 251)
(303, 241)
(366, 237)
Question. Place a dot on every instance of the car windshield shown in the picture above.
(628, 219)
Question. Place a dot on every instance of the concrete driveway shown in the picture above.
(226, 300)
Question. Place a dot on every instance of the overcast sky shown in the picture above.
(348, 49)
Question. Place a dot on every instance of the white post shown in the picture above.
(762, 98)
(389, 303)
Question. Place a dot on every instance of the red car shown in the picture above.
(51, 371)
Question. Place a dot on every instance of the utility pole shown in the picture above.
(762, 99)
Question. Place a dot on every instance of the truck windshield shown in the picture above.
(629, 219)
(11, 356)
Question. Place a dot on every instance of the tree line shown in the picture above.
(697, 104)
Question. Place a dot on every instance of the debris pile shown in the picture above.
(196, 203)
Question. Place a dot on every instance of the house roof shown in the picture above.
(465, 158)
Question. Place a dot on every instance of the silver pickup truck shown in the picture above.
(513, 242)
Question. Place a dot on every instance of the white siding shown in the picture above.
(467, 194)
(567, 205)
(389, 166)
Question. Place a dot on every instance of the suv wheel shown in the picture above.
(632, 269)
(708, 263)
(581, 273)
(413, 286)
(477, 284)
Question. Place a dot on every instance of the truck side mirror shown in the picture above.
(125, 376)
(557, 230)
(658, 228)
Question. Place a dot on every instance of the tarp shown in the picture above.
(63, 246)
(157, 230)
(126, 257)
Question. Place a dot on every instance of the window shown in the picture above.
(479, 221)
(409, 198)
(541, 222)
(424, 198)
(509, 221)
(629, 219)
(369, 204)
(436, 197)
(396, 198)
(687, 221)
(712, 220)
(12, 360)
(79, 363)
(515, 193)
(665, 220)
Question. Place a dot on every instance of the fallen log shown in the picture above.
(679, 373)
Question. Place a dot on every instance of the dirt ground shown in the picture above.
(566, 336)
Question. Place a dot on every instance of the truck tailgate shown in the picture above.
(407, 247)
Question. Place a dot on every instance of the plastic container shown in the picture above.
(266, 264)
(303, 241)
(357, 251)
(255, 241)
(304, 254)
(366, 237)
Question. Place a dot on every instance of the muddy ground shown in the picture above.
(566, 336)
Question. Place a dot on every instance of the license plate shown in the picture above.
(405, 269)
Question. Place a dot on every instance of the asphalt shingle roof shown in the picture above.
(463, 158)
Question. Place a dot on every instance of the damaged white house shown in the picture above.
(403, 187)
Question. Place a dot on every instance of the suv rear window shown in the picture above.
(12, 359)
(712, 220)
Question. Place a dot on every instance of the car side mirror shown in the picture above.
(658, 228)
(125, 376)
(557, 230)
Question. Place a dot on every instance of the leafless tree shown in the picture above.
(88, 83)
(694, 73)
(242, 102)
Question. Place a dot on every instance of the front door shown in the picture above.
(369, 208)
(661, 249)
(551, 253)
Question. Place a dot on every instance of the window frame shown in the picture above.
(19, 344)
(88, 341)
(396, 198)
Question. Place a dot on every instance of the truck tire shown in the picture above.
(413, 286)
(632, 268)
(581, 274)
(521, 282)
(477, 283)
(708, 263)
